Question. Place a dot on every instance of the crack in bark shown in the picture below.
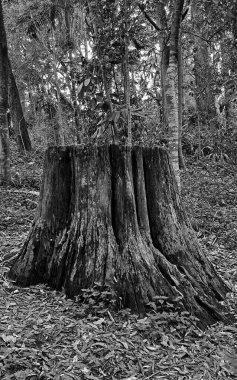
(209, 309)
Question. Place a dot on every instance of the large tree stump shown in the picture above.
(113, 215)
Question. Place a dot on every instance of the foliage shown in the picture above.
(69, 55)
(96, 301)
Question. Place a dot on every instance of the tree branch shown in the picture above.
(152, 22)
(196, 35)
(207, 40)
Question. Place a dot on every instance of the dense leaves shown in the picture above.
(68, 60)
(210, 195)
(44, 336)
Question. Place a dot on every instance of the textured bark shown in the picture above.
(204, 93)
(205, 97)
(4, 134)
(171, 89)
(113, 215)
(164, 59)
(126, 76)
(17, 115)
(68, 12)
(106, 69)
(180, 100)
(58, 126)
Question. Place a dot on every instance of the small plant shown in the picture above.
(164, 304)
(96, 300)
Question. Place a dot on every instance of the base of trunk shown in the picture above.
(113, 215)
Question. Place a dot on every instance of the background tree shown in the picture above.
(203, 69)
(172, 88)
(4, 135)
(19, 123)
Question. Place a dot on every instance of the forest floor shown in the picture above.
(44, 335)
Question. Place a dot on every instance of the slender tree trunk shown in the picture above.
(204, 95)
(164, 67)
(17, 115)
(4, 133)
(84, 32)
(79, 133)
(58, 127)
(68, 15)
(171, 89)
(112, 215)
(164, 59)
(173, 117)
(105, 68)
(227, 96)
(126, 73)
(180, 100)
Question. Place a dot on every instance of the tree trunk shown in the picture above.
(58, 126)
(17, 115)
(180, 100)
(112, 215)
(204, 93)
(68, 16)
(4, 133)
(171, 89)
(106, 68)
(164, 58)
(126, 76)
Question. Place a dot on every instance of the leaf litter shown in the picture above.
(44, 335)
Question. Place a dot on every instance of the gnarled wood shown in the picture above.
(113, 215)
